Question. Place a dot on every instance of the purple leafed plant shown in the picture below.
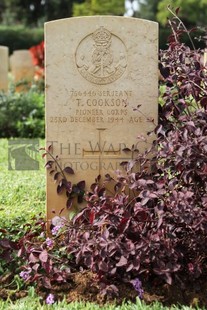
(73, 192)
(156, 222)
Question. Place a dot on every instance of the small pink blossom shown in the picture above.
(49, 242)
(25, 275)
(50, 299)
(55, 230)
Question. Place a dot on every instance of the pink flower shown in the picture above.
(49, 242)
(50, 299)
(25, 275)
(56, 229)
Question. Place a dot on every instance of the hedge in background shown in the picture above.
(22, 115)
(23, 38)
(18, 37)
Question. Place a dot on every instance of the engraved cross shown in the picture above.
(101, 149)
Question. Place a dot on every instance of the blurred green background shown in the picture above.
(22, 20)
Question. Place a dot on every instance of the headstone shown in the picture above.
(4, 67)
(98, 69)
(22, 69)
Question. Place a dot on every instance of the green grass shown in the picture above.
(22, 193)
(32, 302)
(22, 196)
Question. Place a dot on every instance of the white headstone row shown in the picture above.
(22, 68)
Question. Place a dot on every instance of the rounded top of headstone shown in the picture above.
(104, 17)
(3, 47)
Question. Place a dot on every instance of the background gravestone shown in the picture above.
(98, 69)
(22, 69)
(4, 64)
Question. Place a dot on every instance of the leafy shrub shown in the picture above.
(165, 32)
(22, 115)
(18, 37)
(10, 262)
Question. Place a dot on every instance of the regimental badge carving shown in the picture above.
(101, 57)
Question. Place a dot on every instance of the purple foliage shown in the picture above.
(73, 192)
(156, 222)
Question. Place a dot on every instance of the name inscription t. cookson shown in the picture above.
(106, 57)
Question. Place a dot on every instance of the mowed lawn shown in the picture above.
(22, 193)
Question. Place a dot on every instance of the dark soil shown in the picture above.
(84, 287)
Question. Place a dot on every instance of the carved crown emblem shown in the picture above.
(101, 57)
(101, 36)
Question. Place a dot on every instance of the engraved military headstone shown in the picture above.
(4, 64)
(22, 68)
(98, 69)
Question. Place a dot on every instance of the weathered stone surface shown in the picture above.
(22, 68)
(98, 69)
(4, 67)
